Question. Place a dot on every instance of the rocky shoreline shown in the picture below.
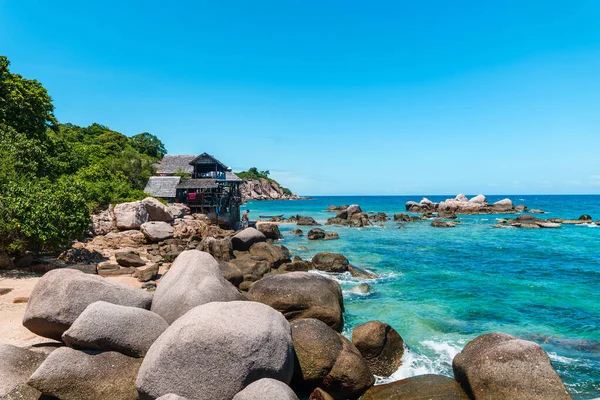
(264, 189)
(232, 315)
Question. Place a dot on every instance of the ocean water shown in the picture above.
(440, 288)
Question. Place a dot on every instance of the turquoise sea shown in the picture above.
(440, 288)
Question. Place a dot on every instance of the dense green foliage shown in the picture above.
(253, 173)
(52, 175)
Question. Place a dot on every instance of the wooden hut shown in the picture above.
(202, 182)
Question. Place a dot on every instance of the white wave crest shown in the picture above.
(416, 363)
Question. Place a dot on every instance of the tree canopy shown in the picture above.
(53, 175)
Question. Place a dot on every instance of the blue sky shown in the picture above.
(335, 97)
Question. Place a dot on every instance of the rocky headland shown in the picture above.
(265, 189)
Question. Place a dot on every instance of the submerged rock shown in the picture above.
(330, 262)
(316, 234)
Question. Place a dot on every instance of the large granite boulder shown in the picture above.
(61, 295)
(270, 230)
(171, 396)
(70, 374)
(266, 388)
(217, 349)
(330, 262)
(502, 367)
(431, 387)
(156, 231)
(194, 279)
(243, 240)
(275, 255)
(479, 199)
(328, 360)
(104, 221)
(380, 345)
(130, 215)
(157, 211)
(302, 295)
(16, 366)
(111, 327)
(504, 205)
(220, 249)
(178, 210)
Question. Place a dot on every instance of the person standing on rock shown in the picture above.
(245, 220)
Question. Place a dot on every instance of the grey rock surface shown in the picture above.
(16, 366)
(76, 375)
(266, 388)
(110, 327)
(215, 350)
(61, 295)
(502, 367)
(194, 279)
(302, 295)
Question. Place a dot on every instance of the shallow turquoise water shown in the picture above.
(439, 288)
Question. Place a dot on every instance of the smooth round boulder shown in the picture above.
(302, 295)
(231, 273)
(70, 374)
(157, 231)
(266, 388)
(430, 387)
(215, 350)
(585, 217)
(61, 295)
(380, 345)
(171, 396)
(330, 262)
(16, 366)
(110, 327)
(479, 199)
(328, 360)
(502, 367)
(275, 255)
(130, 215)
(243, 240)
(157, 211)
(504, 205)
(194, 279)
(270, 230)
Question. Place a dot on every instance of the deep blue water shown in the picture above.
(440, 288)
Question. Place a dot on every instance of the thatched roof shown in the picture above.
(171, 163)
(162, 186)
(206, 158)
(198, 184)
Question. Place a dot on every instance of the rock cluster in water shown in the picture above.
(462, 205)
(263, 189)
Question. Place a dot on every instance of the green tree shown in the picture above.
(24, 104)
(148, 144)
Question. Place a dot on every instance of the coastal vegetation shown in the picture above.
(53, 175)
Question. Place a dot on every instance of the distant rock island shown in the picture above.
(258, 186)
(463, 205)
